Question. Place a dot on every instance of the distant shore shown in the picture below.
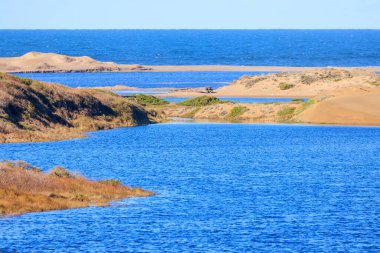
(36, 62)
(229, 68)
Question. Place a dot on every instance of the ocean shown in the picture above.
(196, 47)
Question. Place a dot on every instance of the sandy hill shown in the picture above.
(299, 84)
(347, 106)
(50, 62)
(36, 111)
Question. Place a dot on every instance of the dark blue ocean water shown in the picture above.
(142, 79)
(184, 47)
(221, 188)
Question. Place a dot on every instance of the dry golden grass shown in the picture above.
(24, 188)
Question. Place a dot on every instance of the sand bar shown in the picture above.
(37, 62)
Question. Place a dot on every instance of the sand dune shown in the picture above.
(291, 84)
(350, 106)
(51, 62)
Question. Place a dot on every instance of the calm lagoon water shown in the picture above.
(221, 188)
(142, 80)
(239, 100)
(210, 47)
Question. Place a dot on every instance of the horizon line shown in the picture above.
(242, 29)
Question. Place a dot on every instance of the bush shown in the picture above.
(298, 100)
(150, 100)
(59, 171)
(237, 111)
(202, 101)
(26, 81)
(285, 86)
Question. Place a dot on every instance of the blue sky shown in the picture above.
(190, 14)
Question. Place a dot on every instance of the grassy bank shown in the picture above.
(37, 111)
(25, 188)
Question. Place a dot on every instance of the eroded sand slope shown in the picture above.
(350, 106)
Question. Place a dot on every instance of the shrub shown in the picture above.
(285, 86)
(237, 111)
(113, 182)
(202, 101)
(59, 171)
(298, 100)
(150, 100)
(286, 111)
(308, 79)
(26, 81)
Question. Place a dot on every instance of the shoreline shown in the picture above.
(233, 68)
(25, 189)
(192, 68)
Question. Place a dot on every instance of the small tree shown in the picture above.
(209, 90)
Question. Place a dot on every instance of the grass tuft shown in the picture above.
(202, 101)
(286, 111)
(237, 111)
(143, 99)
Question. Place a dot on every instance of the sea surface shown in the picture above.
(220, 188)
(195, 47)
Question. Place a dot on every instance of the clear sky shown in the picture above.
(189, 14)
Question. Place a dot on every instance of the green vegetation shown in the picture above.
(286, 111)
(26, 81)
(285, 86)
(304, 106)
(237, 111)
(298, 100)
(202, 101)
(143, 99)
